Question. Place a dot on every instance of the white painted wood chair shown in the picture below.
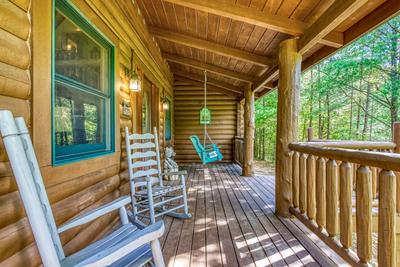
(148, 192)
(129, 245)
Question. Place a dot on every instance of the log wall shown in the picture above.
(78, 187)
(187, 104)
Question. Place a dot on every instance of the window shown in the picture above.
(82, 88)
(168, 125)
(146, 107)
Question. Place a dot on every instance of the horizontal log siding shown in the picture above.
(187, 105)
(71, 191)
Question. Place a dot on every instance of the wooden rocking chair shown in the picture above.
(129, 245)
(148, 192)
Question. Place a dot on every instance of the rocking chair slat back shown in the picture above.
(143, 155)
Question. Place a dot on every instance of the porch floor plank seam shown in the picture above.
(233, 224)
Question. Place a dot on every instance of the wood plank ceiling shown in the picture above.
(237, 41)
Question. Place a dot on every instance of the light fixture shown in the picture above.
(134, 81)
(165, 103)
(133, 77)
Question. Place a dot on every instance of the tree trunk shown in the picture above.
(351, 113)
(248, 132)
(287, 121)
(328, 116)
(367, 101)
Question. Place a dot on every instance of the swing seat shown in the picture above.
(207, 154)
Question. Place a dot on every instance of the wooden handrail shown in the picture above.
(371, 145)
(387, 161)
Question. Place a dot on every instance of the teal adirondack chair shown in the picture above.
(209, 153)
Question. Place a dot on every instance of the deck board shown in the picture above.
(234, 224)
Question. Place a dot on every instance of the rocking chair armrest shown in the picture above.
(135, 240)
(174, 173)
(95, 213)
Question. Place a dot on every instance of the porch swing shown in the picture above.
(207, 152)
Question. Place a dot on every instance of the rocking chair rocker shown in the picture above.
(148, 192)
(128, 245)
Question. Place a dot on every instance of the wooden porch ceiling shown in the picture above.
(237, 41)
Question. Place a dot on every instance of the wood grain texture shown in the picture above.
(387, 219)
(364, 214)
(249, 128)
(346, 206)
(332, 197)
(288, 108)
(321, 192)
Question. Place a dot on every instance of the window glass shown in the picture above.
(146, 107)
(83, 86)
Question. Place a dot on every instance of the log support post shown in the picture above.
(288, 109)
(249, 127)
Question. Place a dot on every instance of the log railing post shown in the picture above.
(303, 183)
(311, 205)
(346, 207)
(332, 198)
(396, 140)
(364, 214)
(321, 192)
(387, 219)
(295, 179)
(288, 109)
(249, 127)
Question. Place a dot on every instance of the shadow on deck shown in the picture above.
(234, 224)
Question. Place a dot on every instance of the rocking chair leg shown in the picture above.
(157, 253)
(185, 208)
(151, 203)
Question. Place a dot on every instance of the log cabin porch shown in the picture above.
(80, 71)
(234, 224)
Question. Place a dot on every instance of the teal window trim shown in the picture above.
(168, 122)
(83, 151)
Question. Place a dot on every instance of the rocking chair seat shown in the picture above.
(137, 257)
(159, 190)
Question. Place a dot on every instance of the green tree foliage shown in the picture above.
(352, 95)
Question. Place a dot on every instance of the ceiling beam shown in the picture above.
(210, 81)
(339, 11)
(256, 17)
(265, 78)
(220, 49)
(210, 87)
(211, 68)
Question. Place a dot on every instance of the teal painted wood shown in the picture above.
(207, 154)
(130, 244)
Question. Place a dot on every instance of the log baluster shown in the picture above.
(295, 179)
(303, 183)
(346, 207)
(321, 192)
(311, 195)
(387, 219)
(364, 196)
(396, 140)
(332, 198)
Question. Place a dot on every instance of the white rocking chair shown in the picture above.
(129, 245)
(148, 192)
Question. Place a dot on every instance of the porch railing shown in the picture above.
(238, 150)
(324, 177)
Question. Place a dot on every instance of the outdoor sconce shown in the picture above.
(134, 85)
(165, 105)
(164, 101)
(134, 82)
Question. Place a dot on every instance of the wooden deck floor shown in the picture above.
(234, 224)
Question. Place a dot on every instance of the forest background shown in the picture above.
(352, 95)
